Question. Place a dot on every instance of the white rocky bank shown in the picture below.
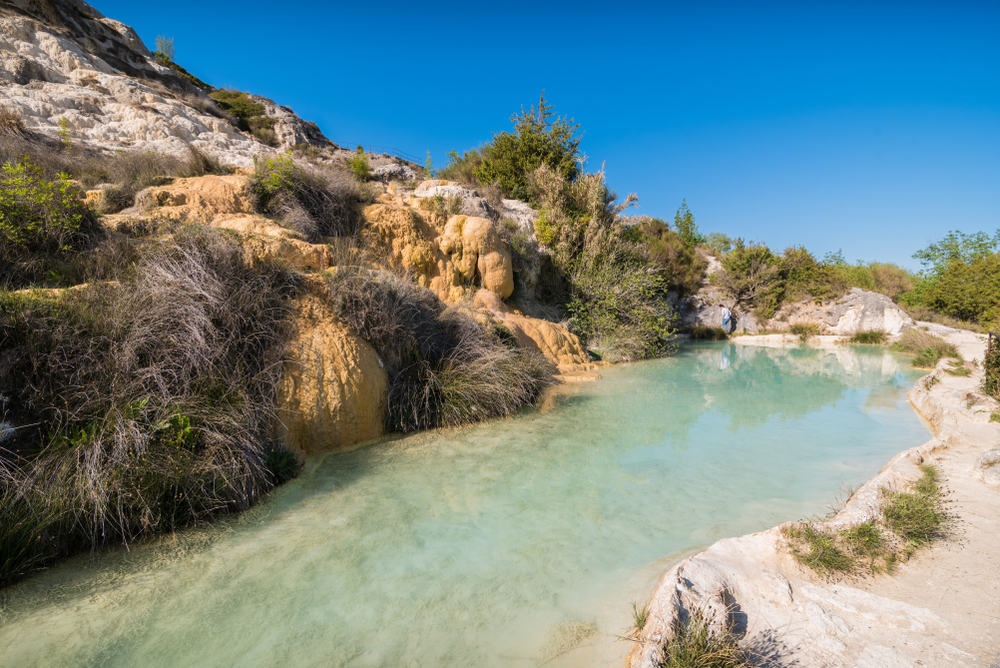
(941, 608)
(62, 59)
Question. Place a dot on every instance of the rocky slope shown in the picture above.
(63, 62)
(942, 608)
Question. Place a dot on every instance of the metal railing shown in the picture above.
(374, 148)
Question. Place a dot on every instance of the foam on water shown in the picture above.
(512, 543)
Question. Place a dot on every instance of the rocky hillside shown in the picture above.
(71, 72)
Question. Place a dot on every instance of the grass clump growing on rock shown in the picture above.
(918, 515)
(873, 337)
(144, 403)
(314, 202)
(444, 367)
(695, 644)
(928, 348)
(907, 520)
(991, 372)
(709, 333)
(805, 330)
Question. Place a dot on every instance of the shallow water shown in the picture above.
(513, 543)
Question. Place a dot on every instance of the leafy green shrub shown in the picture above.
(251, 116)
(537, 140)
(928, 348)
(679, 264)
(704, 332)
(462, 168)
(991, 371)
(805, 277)
(882, 277)
(313, 201)
(870, 337)
(967, 291)
(686, 227)
(39, 214)
(917, 516)
(358, 164)
(694, 644)
(444, 368)
(146, 401)
(751, 277)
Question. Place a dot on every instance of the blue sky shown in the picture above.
(868, 127)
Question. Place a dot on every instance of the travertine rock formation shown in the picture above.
(333, 390)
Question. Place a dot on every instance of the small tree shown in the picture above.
(536, 140)
(164, 49)
(684, 222)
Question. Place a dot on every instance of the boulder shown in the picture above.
(394, 172)
(856, 311)
(333, 389)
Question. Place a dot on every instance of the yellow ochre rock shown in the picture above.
(558, 344)
(333, 388)
(452, 256)
(197, 199)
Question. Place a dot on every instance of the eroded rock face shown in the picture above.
(333, 391)
(856, 311)
(558, 344)
(451, 255)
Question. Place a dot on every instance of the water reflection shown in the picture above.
(491, 545)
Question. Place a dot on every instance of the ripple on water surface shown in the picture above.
(510, 543)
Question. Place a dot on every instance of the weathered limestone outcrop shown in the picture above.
(473, 204)
(452, 256)
(63, 61)
(333, 390)
(938, 609)
(558, 344)
(220, 201)
(856, 311)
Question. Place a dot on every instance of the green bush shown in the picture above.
(679, 264)
(462, 168)
(991, 371)
(686, 227)
(967, 291)
(704, 332)
(251, 116)
(39, 214)
(537, 140)
(751, 277)
(358, 164)
(884, 278)
(917, 516)
(444, 368)
(805, 330)
(805, 277)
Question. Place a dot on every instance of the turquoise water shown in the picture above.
(514, 543)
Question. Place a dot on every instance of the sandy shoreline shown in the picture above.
(941, 608)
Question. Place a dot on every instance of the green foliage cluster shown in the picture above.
(462, 168)
(39, 214)
(705, 332)
(805, 330)
(917, 516)
(537, 140)
(679, 264)
(444, 368)
(751, 277)
(991, 370)
(616, 296)
(145, 402)
(250, 115)
(165, 51)
(686, 227)
(359, 166)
